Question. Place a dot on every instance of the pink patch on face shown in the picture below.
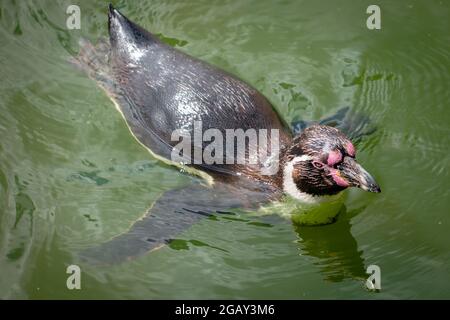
(334, 157)
(338, 179)
(350, 149)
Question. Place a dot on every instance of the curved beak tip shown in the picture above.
(359, 177)
(370, 187)
(374, 188)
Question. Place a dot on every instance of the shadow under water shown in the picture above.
(335, 248)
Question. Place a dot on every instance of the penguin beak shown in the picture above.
(357, 176)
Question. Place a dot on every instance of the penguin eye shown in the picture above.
(337, 164)
(317, 164)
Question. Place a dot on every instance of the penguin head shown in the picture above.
(322, 161)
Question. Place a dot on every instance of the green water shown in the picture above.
(71, 175)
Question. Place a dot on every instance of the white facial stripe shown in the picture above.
(289, 185)
(301, 158)
(291, 189)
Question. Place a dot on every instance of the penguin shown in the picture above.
(160, 90)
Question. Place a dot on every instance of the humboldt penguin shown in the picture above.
(160, 90)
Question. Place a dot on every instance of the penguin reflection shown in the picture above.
(335, 247)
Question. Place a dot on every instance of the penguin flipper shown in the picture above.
(174, 212)
(354, 125)
(335, 120)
